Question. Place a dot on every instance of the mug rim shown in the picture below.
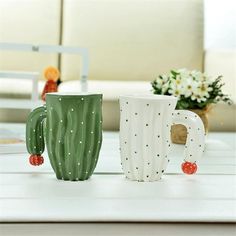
(76, 94)
(149, 97)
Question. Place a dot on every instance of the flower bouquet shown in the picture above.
(195, 91)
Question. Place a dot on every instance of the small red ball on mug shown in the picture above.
(36, 160)
(189, 168)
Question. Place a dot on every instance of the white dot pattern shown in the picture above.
(61, 141)
(145, 137)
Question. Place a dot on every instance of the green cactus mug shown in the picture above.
(71, 127)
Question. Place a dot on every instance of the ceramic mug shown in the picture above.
(145, 126)
(71, 127)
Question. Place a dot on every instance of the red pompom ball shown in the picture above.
(189, 168)
(36, 160)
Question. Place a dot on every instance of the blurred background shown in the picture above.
(130, 43)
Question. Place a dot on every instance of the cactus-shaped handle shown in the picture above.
(35, 136)
(195, 140)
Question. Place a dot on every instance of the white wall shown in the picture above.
(220, 24)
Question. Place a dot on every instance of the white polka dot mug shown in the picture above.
(71, 127)
(145, 124)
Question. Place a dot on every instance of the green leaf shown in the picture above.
(183, 104)
(174, 73)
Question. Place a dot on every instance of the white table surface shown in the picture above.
(33, 194)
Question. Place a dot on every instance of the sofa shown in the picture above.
(130, 42)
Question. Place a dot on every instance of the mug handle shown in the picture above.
(195, 142)
(35, 136)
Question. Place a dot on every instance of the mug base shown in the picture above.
(72, 179)
(144, 180)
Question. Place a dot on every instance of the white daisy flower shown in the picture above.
(203, 90)
(159, 82)
(175, 91)
(177, 82)
(183, 72)
(201, 93)
(189, 87)
(197, 75)
(198, 98)
(208, 80)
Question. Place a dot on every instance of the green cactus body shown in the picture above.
(73, 133)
